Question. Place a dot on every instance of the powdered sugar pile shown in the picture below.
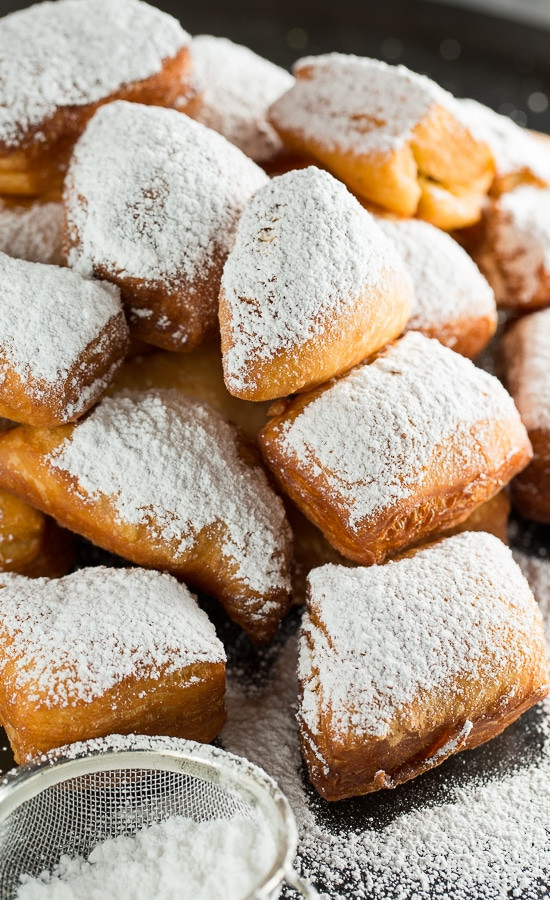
(237, 88)
(172, 463)
(414, 397)
(32, 232)
(48, 317)
(527, 351)
(72, 639)
(305, 253)
(448, 285)
(176, 859)
(75, 52)
(349, 102)
(151, 194)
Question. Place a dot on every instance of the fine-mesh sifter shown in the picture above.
(70, 802)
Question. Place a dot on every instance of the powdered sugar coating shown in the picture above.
(171, 463)
(305, 252)
(75, 52)
(151, 194)
(527, 357)
(48, 317)
(32, 232)
(513, 148)
(75, 638)
(355, 103)
(238, 86)
(372, 434)
(448, 285)
(389, 636)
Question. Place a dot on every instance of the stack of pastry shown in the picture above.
(342, 400)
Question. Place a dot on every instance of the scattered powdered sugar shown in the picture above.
(32, 232)
(305, 252)
(514, 149)
(48, 317)
(349, 102)
(172, 463)
(176, 859)
(74, 638)
(381, 638)
(371, 435)
(237, 88)
(448, 285)
(75, 52)
(526, 348)
(151, 194)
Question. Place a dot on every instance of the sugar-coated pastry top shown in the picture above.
(447, 283)
(519, 234)
(371, 434)
(151, 194)
(305, 252)
(75, 52)
(75, 638)
(48, 317)
(527, 355)
(386, 637)
(514, 149)
(32, 232)
(346, 101)
(173, 464)
(237, 87)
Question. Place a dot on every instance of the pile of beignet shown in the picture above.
(312, 426)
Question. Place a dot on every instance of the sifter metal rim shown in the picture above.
(118, 752)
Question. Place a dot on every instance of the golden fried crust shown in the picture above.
(30, 543)
(531, 488)
(492, 517)
(468, 335)
(39, 164)
(450, 208)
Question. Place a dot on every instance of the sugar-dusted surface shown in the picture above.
(75, 52)
(527, 354)
(372, 434)
(31, 232)
(514, 149)
(48, 317)
(305, 252)
(238, 86)
(355, 103)
(77, 637)
(151, 194)
(172, 463)
(448, 285)
(386, 636)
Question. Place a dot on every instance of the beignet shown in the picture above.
(62, 338)
(401, 448)
(311, 288)
(151, 201)
(164, 481)
(30, 542)
(106, 650)
(60, 61)
(237, 87)
(404, 664)
(382, 129)
(525, 361)
(459, 311)
(32, 231)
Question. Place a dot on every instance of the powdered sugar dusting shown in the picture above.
(414, 397)
(354, 103)
(48, 317)
(305, 252)
(172, 463)
(388, 636)
(75, 638)
(238, 86)
(75, 52)
(527, 354)
(32, 232)
(151, 194)
(448, 285)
